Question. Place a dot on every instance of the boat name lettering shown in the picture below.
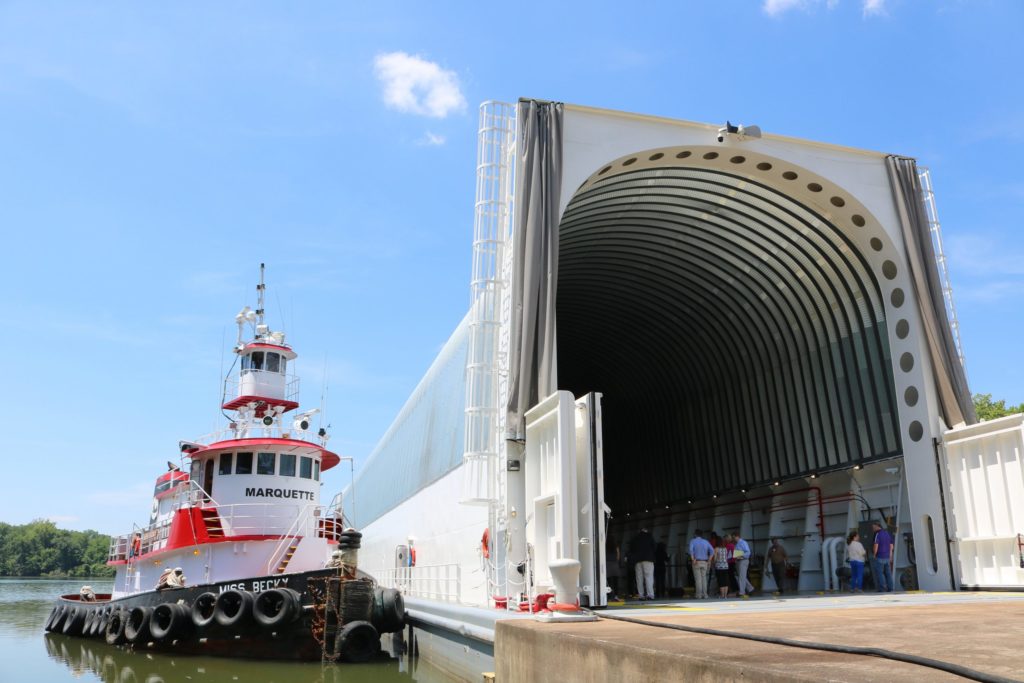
(251, 491)
(255, 586)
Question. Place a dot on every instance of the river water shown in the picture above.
(30, 655)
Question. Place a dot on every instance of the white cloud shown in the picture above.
(873, 7)
(431, 140)
(776, 7)
(417, 86)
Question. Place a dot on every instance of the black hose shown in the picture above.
(956, 669)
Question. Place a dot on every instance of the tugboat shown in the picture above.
(239, 557)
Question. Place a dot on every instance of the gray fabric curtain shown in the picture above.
(954, 394)
(532, 362)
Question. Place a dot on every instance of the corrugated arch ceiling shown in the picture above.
(737, 335)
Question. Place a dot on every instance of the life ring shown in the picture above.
(276, 607)
(136, 627)
(114, 633)
(169, 620)
(485, 544)
(203, 610)
(357, 641)
(233, 608)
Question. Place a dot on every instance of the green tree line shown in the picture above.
(987, 409)
(39, 548)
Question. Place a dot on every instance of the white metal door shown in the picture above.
(985, 465)
(590, 501)
(550, 484)
(564, 484)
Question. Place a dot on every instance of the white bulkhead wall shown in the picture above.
(252, 502)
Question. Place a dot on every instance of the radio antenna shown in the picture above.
(260, 289)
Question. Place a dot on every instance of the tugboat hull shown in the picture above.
(311, 615)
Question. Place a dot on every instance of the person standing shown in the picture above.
(641, 551)
(779, 560)
(883, 558)
(742, 554)
(613, 570)
(701, 553)
(660, 568)
(722, 568)
(856, 553)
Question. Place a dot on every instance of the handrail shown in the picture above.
(237, 519)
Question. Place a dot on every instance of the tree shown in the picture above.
(39, 548)
(987, 409)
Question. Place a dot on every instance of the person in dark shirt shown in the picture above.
(882, 558)
(660, 568)
(642, 551)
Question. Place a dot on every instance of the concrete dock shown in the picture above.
(983, 631)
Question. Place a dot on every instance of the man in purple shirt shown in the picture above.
(882, 558)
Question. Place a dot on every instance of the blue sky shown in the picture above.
(151, 156)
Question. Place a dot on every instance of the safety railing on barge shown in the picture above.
(432, 582)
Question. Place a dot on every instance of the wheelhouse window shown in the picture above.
(256, 360)
(265, 463)
(225, 463)
(287, 465)
(284, 365)
(273, 361)
(306, 467)
(316, 470)
(244, 464)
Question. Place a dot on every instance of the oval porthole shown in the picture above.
(897, 297)
(907, 362)
(656, 156)
(916, 431)
(902, 328)
(910, 396)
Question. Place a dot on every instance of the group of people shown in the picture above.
(727, 560)
(882, 547)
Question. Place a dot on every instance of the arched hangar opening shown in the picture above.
(729, 309)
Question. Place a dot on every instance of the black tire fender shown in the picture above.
(233, 608)
(357, 641)
(48, 626)
(388, 610)
(114, 632)
(169, 620)
(203, 610)
(276, 607)
(136, 627)
(74, 621)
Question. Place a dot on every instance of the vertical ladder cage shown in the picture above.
(491, 228)
(935, 229)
